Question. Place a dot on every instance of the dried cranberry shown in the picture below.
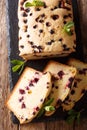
(48, 83)
(69, 85)
(36, 80)
(60, 74)
(45, 6)
(21, 99)
(47, 87)
(83, 71)
(31, 83)
(75, 84)
(42, 100)
(41, 31)
(65, 48)
(35, 26)
(71, 79)
(25, 21)
(27, 10)
(54, 78)
(34, 113)
(27, 87)
(56, 87)
(78, 79)
(55, 17)
(37, 108)
(24, 14)
(37, 9)
(21, 91)
(59, 101)
(52, 31)
(23, 105)
(72, 92)
(60, 39)
(48, 24)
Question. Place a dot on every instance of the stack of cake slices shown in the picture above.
(65, 84)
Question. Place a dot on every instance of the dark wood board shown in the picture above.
(39, 64)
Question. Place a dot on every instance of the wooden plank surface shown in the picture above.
(82, 6)
(5, 121)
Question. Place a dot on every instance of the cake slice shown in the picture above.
(62, 79)
(80, 84)
(41, 29)
(29, 94)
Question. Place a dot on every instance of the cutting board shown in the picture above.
(12, 21)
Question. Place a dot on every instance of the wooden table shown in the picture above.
(5, 121)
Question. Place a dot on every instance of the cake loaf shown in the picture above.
(29, 94)
(41, 29)
(62, 80)
(80, 84)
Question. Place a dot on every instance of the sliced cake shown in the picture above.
(46, 30)
(29, 94)
(62, 79)
(80, 84)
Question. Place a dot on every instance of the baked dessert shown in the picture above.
(80, 84)
(41, 29)
(29, 94)
(62, 80)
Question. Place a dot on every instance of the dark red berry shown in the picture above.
(55, 17)
(72, 92)
(23, 105)
(21, 99)
(36, 80)
(21, 91)
(75, 84)
(59, 101)
(34, 113)
(37, 108)
(60, 74)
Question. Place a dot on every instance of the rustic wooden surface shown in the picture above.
(5, 121)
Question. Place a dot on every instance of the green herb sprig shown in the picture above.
(18, 66)
(46, 107)
(34, 3)
(73, 115)
(67, 27)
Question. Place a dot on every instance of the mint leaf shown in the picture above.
(38, 3)
(18, 66)
(28, 4)
(69, 24)
(70, 119)
(67, 27)
(73, 116)
(78, 117)
(17, 62)
(34, 3)
(41, 112)
(43, 109)
(49, 108)
(71, 112)
(48, 102)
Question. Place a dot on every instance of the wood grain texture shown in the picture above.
(5, 121)
(56, 125)
(33, 126)
(82, 6)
